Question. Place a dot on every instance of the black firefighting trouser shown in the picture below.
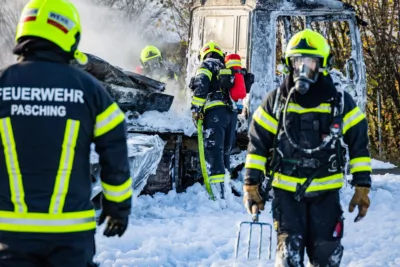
(47, 250)
(309, 223)
(219, 137)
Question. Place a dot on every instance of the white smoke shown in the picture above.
(182, 97)
(106, 34)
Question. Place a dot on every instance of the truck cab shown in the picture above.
(258, 30)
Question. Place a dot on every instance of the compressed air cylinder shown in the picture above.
(238, 91)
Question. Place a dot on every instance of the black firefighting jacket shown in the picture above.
(307, 125)
(207, 93)
(50, 113)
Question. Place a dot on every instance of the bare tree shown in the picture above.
(9, 15)
(381, 43)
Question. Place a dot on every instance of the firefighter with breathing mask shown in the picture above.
(153, 65)
(301, 144)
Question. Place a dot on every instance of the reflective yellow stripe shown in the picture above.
(233, 63)
(205, 72)
(225, 71)
(265, 120)
(214, 103)
(13, 170)
(255, 162)
(360, 164)
(47, 223)
(108, 120)
(118, 193)
(289, 183)
(352, 118)
(323, 108)
(197, 101)
(65, 167)
(218, 178)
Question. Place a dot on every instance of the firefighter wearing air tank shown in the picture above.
(305, 140)
(50, 113)
(211, 102)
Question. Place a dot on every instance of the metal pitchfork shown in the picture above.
(255, 216)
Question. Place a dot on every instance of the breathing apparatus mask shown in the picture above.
(153, 64)
(305, 72)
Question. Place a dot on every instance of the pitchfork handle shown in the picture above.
(255, 212)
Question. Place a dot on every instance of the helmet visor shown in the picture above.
(305, 67)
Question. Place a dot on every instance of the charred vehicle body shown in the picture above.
(258, 32)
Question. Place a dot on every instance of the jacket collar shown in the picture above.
(37, 49)
(322, 91)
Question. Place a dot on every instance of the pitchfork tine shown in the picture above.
(255, 220)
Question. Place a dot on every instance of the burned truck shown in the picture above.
(257, 30)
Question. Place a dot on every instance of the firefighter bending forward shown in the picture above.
(50, 113)
(220, 114)
(308, 216)
(154, 66)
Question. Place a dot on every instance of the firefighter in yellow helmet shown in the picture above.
(154, 66)
(211, 102)
(50, 113)
(305, 141)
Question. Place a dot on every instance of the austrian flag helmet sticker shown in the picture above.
(29, 15)
(61, 22)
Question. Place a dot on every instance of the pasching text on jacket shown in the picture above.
(54, 97)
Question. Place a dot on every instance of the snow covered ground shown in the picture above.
(189, 230)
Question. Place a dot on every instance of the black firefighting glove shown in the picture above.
(116, 217)
(361, 200)
(252, 197)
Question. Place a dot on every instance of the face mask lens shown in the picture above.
(305, 67)
(153, 64)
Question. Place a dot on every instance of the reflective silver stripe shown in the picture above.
(217, 178)
(198, 102)
(108, 119)
(295, 107)
(64, 170)
(233, 63)
(255, 161)
(205, 72)
(284, 182)
(13, 168)
(44, 222)
(360, 164)
(319, 183)
(352, 118)
(214, 103)
(116, 194)
(315, 183)
(270, 126)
